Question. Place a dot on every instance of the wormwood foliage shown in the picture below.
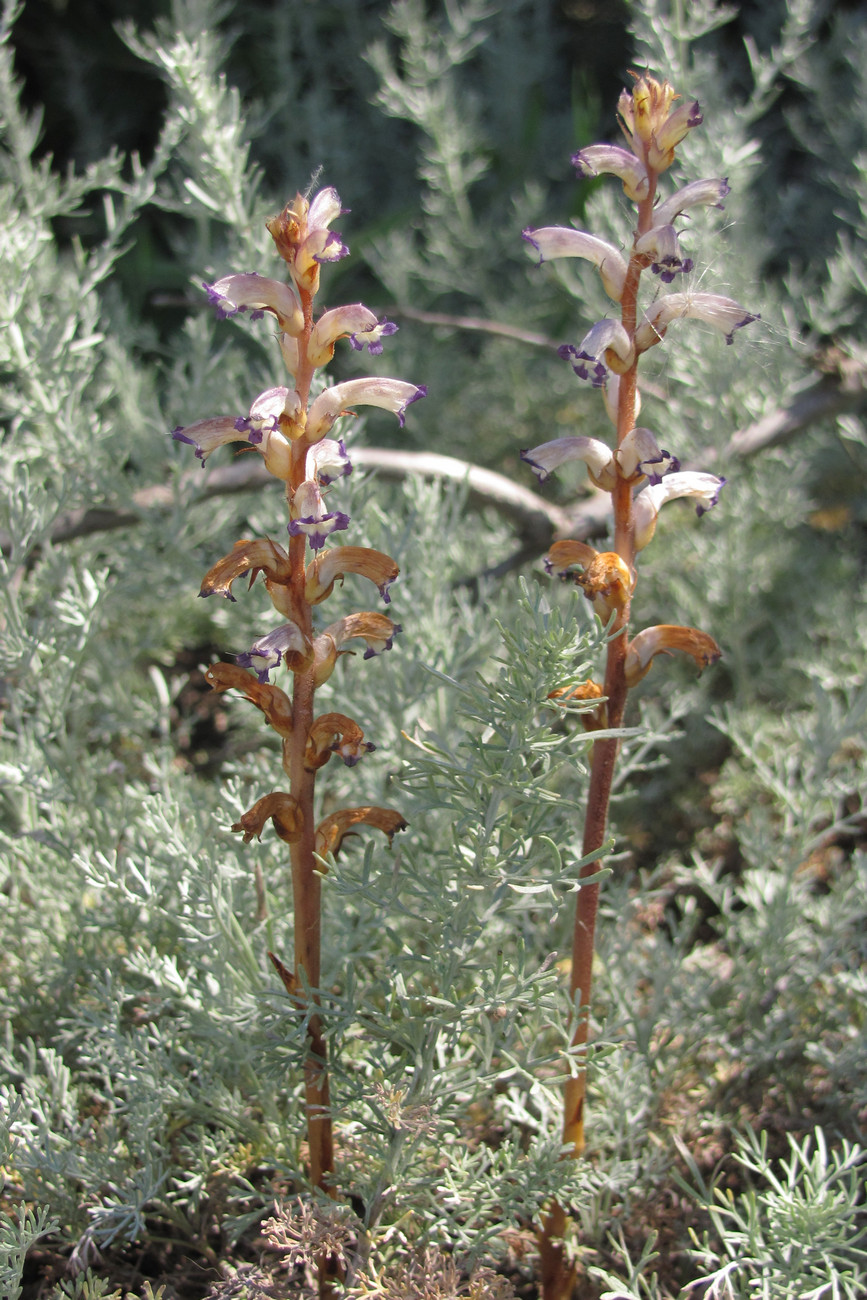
(151, 1107)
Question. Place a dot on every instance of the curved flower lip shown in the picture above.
(666, 137)
(723, 313)
(598, 458)
(639, 455)
(376, 629)
(662, 245)
(706, 193)
(286, 644)
(705, 488)
(303, 239)
(605, 345)
(326, 569)
(391, 394)
(327, 461)
(309, 517)
(269, 412)
(257, 294)
(666, 639)
(254, 557)
(281, 809)
(614, 160)
(332, 830)
(207, 435)
(274, 703)
(352, 320)
(605, 577)
(335, 733)
(559, 241)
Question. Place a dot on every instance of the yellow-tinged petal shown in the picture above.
(260, 556)
(324, 571)
(273, 702)
(377, 630)
(335, 733)
(665, 639)
(593, 719)
(282, 810)
(331, 830)
(606, 578)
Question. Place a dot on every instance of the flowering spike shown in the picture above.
(666, 639)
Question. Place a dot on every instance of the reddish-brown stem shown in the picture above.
(556, 1274)
(306, 883)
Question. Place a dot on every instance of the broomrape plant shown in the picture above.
(291, 432)
(608, 358)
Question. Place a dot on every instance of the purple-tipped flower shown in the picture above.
(354, 321)
(614, 160)
(705, 488)
(303, 239)
(258, 294)
(207, 435)
(662, 245)
(598, 458)
(639, 454)
(310, 518)
(286, 644)
(605, 346)
(327, 461)
(391, 394)
(707, 193)
(559, 241)
(723, 313)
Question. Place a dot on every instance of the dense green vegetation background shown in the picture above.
(149, 1079)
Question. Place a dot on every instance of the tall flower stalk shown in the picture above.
(290, 429)
(640, 476)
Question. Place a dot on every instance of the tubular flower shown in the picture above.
(327, 461)
(616, 161)
(274, 703)
(661, 245)
(303, 239)
(310, 518)
(281, 809)
(598, 458)
(639, 455)
(286, 644)
(331, 830)
(704, 487)
(207, 435)
(257, 294)
(334, 733)
(707, 193)
(559, 241)
(377, 630)
(391, 394)
(723, 313)
(606, 346)
(324, 571)
(351, 321)
(605, 577)
(262, 556)
(270, 427)
(665, 639)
